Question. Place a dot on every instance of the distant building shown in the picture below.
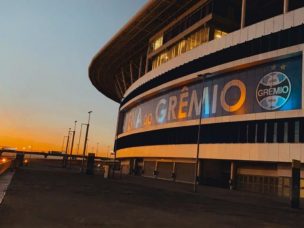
(237, 64)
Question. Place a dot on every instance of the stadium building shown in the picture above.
(217, 83)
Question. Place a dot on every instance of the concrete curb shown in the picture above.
(5, 180)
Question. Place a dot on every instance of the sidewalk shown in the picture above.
(5, 180)
(44, 198)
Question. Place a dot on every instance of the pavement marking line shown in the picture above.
(5, 180)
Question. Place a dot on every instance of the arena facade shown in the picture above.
(209, 91)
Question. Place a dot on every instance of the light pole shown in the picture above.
(67, 145)
(78, 146)
(65, 156)
(85, 141)
(62, 147)
(203, 76)
(71, 152)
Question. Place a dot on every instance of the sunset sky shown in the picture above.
(45, 49)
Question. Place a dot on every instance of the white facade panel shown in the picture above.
(264, 152)
(278, 23)
(260, 29)
(298, 17)
(269, 26)
(235, 37)
(251, 32)
(288, 20)
(244, 34)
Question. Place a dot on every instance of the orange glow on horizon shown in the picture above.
(26, 143)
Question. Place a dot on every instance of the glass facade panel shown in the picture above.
(275, 130)
(265, 133)
(219, 34)
(157, 43)
(285, 132)
(297, 131)
(188, 43)
(188, 21)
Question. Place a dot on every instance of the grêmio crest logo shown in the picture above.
(273, 90)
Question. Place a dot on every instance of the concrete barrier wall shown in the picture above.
(4, 166)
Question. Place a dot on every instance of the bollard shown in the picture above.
(90, 164)
(19, 160)
(64, 160)
(106, 171)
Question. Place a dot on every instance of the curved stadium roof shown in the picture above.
(112, 63)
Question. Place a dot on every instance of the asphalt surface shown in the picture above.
(53, 197)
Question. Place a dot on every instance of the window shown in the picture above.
(251, 132)
(259, 10)
(243, 132)
(193, 40)
(295, 4)
(260, 138)
(256, 133)
(301, 136)
(297, 132)
(265, 133)
(280, 131)
(285, 132)
(188, 21)
(219, 34)
(157, 43)
(291, 130)
(181, 47)
(275, 132)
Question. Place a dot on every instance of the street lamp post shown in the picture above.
(78, 145)
(203, 76)
(85, 141)
(67, 145)
(65, 157)
(72, 144)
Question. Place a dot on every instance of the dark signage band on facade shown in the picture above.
(275, 86)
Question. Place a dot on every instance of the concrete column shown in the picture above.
(134, 166)
(173, 171)
(286, 6)
(123, 80)
(155, 169)
(131, 73)
(233, 172)
(243, 14)
(147, 60)
(139, 68)
(118, 92)
(120, 87)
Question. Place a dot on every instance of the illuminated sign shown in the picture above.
(275, 86)
(273, 90)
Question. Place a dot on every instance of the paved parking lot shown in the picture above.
(52, 197)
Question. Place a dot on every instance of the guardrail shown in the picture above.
(50, 153)
(4, 165)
